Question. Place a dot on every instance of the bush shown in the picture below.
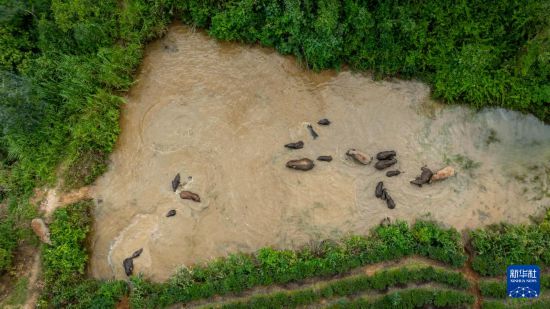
(483, 54)
(380, 281)
(63, 66)
(498, 246)
(440, 244)
(413, 298)
(496, 289)
(14, 227)
(64, 264)
(239, 272)
(8, 242)
(517, 304)
(65, 260)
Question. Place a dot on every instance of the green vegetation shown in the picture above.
(63, 66)
(64, 264)
(493, 288)
(497, 288)
(498, 246)
(517, 304)
(14, 227)
(484, 54)
(61, 102)
(380, 282)
(8, 243)
(461, 160)
(413, 298)
(67, 286)
(268, 266)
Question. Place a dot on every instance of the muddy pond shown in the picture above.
(219, 114)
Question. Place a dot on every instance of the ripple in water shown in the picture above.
(221, 113)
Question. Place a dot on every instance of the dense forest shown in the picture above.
(65, 65)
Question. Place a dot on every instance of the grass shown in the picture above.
(18, 295)
(462, 161)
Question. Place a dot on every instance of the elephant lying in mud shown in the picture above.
(297, 145)
(324, 158)
(359, 156)
(128, 263)
(188, 195)
(303, 164)
(393, 173)
(443, 173)
(176, 182)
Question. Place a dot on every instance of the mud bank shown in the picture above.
(221, 113)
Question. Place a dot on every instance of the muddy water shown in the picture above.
(220, 113)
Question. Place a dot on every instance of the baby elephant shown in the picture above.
(393, 173)
(297, 145)
(324, 158)
(303, 164)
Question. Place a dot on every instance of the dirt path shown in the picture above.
(55, 198)
(49, 200)
(35, 283)
(472, 276)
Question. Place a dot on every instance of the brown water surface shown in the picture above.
(221, 113)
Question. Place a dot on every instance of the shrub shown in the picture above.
(267, 266)
(65, 261)
(517, 304)
(64, 264)
(8, 242)
(439, 244)
(380, 281)
(413, 298)
(498, 246)
(496, 289)
(483, 54)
